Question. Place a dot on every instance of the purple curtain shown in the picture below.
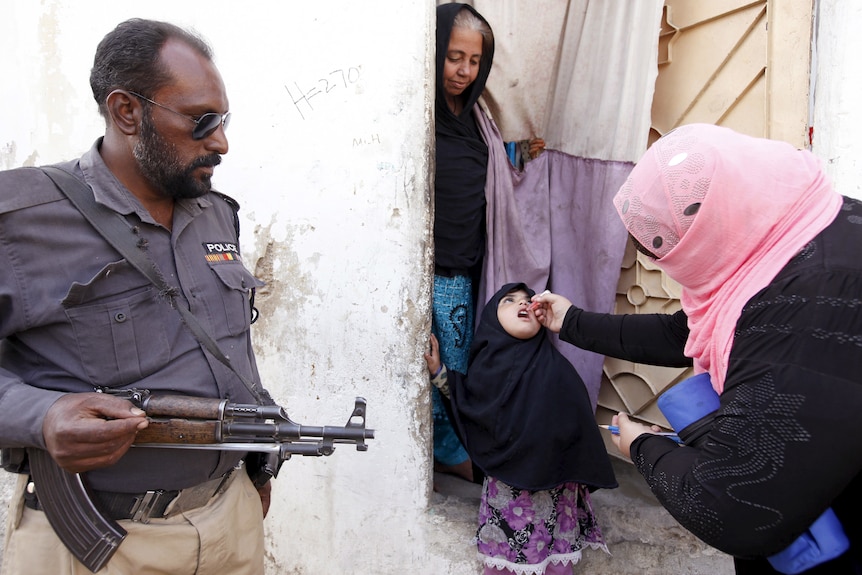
(553, 226)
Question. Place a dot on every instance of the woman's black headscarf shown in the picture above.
(524, 412)
(462, 159)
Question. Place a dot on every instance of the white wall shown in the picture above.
(335, 217)
(837, 93)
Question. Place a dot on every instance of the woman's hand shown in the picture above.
(537, 146)
(629, 431)
(550, 310)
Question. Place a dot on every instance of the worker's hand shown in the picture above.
(85, 431)
(629, 431)
(551, 310)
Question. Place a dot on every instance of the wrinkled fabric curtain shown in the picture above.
(580, 75)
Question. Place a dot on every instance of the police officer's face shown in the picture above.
(161, 162)
(172, 150)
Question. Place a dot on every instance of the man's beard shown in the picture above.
(159, 162)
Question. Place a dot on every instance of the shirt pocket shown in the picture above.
(238, 282)
(119, 325)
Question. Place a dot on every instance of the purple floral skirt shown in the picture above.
(525, 531)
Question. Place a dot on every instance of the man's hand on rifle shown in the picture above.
(85, 431)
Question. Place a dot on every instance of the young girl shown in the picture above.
(526, 420)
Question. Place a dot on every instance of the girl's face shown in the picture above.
(461, 65)
(515, 317)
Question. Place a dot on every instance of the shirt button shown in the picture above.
(119, 317)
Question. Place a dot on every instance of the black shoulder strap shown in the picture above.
(234, 206)
(117, 231)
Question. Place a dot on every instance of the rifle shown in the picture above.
(182, 422)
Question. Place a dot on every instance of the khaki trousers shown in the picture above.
(224, 536)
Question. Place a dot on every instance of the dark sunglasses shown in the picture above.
(204, 125)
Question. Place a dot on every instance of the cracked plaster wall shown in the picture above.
(330, 158)
(836, 90)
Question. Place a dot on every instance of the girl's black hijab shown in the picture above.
(523, 411)
(462, 158)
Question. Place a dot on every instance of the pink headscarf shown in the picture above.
(724, 213)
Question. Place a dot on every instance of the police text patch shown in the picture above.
(221, 252)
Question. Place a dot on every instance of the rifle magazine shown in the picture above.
(89, 535)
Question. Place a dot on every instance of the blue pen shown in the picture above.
(669, 434)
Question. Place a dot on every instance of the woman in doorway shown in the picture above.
(465, 51)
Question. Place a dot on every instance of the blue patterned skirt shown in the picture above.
(452, 324)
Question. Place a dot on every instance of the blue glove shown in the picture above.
(689, 407)
(825, 540)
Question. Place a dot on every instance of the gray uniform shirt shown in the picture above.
(75, 315)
